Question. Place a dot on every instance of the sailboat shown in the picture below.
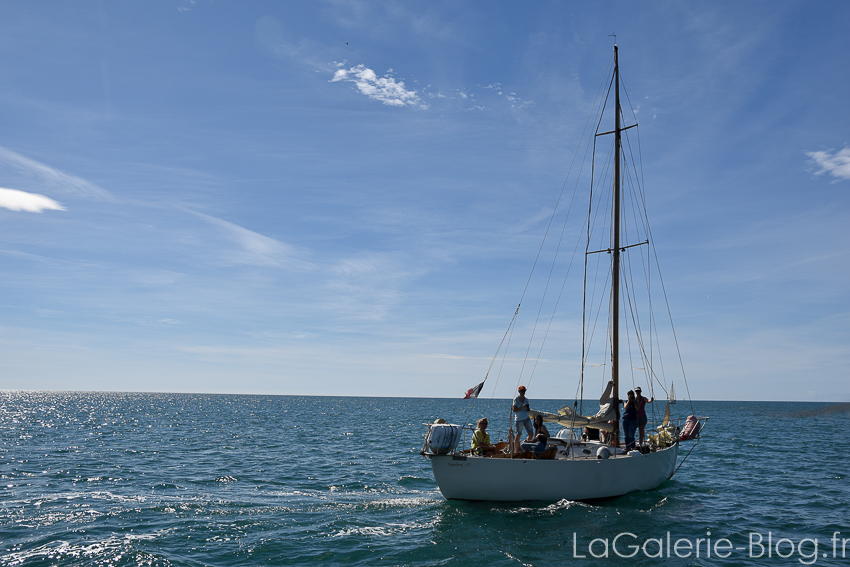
(672, 397)
(575, 467)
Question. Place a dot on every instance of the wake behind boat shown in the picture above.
(578, 463)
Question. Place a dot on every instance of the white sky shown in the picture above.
(345, 198)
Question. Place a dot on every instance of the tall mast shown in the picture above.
(615, 268)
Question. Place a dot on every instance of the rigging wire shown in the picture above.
(512, 324)
(633, 186)
(572, 200)
(508, 334)
(638, 201)
(587, 341)
(634, 191)
(554, 309)
(661, 278)
(546, 289)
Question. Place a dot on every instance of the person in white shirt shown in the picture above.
(520, 409)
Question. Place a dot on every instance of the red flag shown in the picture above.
(473, 392)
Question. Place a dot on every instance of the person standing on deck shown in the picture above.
(630, 420)
(520, 409)
(641, 411)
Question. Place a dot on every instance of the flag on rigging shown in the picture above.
(473, 392)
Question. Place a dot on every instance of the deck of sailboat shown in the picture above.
(562, 451)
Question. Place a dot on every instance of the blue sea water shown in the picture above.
(183, 479)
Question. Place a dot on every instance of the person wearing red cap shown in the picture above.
(520, 409)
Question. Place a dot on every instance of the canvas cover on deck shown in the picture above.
(567, 417)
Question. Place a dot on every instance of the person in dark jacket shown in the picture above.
(630, 420)
(540, 439)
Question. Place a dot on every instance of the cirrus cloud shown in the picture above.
(837, 164)
(30, 171)
(254, 248)
(15, 200)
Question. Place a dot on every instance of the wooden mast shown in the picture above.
(615, 268)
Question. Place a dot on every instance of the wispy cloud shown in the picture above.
(53, 178)
(149, 321)
(837, 164)
(187, 5)
(256, 249)
(15, 200)
(367, 285)
(383, 89)
(515, 100)
(272, 39)
(269, 37)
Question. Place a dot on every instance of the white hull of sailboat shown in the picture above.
(482, 478)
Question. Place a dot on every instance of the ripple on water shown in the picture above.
(172, 479)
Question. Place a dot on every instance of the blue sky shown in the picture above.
(345, 198)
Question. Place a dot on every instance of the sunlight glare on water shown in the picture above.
(182, 479)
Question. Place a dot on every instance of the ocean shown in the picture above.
(192, 479)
